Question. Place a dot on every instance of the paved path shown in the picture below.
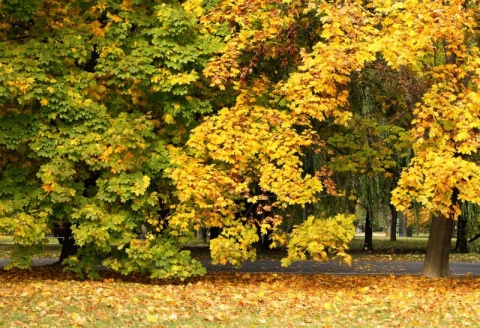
(357, 268)
(331, 268)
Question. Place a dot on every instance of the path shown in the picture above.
(331, 268)
(357, 268)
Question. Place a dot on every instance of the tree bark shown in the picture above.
(438, 248)
(462, 242)
(368, 244)
(202, 234)
(215, 232)
(68, 247)
(393, 223)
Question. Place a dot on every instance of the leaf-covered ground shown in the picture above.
(44, 298)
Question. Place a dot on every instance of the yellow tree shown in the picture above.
(441, 175)
(257, 145)
(91, 94)
(239, 147)
(435, 40)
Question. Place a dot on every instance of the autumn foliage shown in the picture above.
(112, 112)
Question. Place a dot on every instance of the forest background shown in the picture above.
(263, 121)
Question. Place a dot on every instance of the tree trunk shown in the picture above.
(68, 247)
(306, 211)
(438, 248)
(202, 234)
(368, 245)
(265, 239)
(215, 232)
(393, 223)
(462, 242)
(402, 226)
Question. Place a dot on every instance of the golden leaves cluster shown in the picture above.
(321, 238)
(229, 152)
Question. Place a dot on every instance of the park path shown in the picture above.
(357, 268)
(331, 268)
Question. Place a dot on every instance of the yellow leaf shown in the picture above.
(152, 318)
(169, 119)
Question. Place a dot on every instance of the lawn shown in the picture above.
(404, 249)
(50, 250)
(45, 298)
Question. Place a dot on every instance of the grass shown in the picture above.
(4, 239)
(404, 249)
(50, 250)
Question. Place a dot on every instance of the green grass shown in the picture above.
(404, 249)
(5, 239)
(50, 250)
(383, 244)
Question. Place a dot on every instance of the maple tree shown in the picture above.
(442, 173)
(257, 144)
(429, 41)
(91, 94)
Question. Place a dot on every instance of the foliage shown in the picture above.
(255, 147)
(91, 93)
(440, 57)
(320, 239)
(158, 256)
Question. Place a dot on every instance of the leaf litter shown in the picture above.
(46, 297)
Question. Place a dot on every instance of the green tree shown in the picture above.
(91, 95)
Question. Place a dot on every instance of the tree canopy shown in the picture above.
(113, 112)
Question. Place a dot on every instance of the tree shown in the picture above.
(257, 144)
(91, 95)
(438, 45)
(427, 39)
(441, 175)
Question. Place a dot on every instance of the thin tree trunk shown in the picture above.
(438, 248)
(202, 234)
(403, 226)
(462, 243)
(368, 245)
(306, 211)
(393, 223)
(68, 247)
(266, 241)
(215, 232)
